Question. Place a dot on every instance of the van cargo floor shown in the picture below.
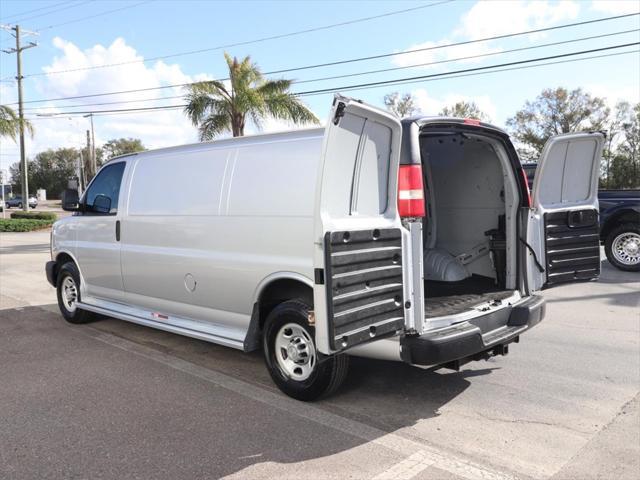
(449, 298)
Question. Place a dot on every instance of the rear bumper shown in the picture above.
(474, 339)
(52, 272)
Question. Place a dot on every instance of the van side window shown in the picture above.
(102, 195)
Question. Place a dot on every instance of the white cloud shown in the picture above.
(613, 95)
(440, 55)
(429, 105)
(615, 7)
(488, 19)
(156, 129)
(491, 18)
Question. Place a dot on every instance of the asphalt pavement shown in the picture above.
(116, 400)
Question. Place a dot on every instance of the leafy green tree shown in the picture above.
(401, 106)
(624, 168)
(10, 123)
(50, 170)
(465, 110)
(555, 111)
(215, 107)
(120, 146)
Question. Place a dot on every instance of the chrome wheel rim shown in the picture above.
(69, 295)
(295, 352)
(626, 248)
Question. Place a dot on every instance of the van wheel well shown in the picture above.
(272, 295)
(280, 291)
(63, 258)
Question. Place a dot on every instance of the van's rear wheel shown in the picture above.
(292, 358)
(68, 290)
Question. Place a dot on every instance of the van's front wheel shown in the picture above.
(68, 290)
(291, 356)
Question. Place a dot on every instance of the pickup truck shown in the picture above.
(619, 224)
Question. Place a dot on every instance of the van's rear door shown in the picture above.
(358, 257)
(562, 231)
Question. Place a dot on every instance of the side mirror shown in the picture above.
(101, 204)
(70, 200)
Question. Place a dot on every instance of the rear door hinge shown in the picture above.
(339, 113)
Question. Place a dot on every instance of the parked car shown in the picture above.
(619, 224)
(17, 202)
(414, 242)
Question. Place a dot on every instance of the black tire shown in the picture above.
(19, 205)
(69, 270)
(326, 376)
(631, 228)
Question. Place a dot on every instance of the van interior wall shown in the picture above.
(465, 183)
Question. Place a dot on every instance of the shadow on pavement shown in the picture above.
(75, 406)
(34, 248)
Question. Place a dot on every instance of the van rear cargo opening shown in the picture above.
(473, 196)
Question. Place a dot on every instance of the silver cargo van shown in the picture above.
(415, 241)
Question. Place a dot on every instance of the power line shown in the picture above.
(126, 7)
(248, 42)
(475, 69)
(474, 74)
(469, 57)
(591, 37)
(26, 12)
(449, 76)
(340, 62)
(46, 13)
(379, 83)
(77, 97)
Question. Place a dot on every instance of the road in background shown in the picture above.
(116, 400)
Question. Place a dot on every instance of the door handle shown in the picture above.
(117, 230)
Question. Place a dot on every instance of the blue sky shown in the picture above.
(163, 27)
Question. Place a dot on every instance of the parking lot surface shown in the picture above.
(116, 400)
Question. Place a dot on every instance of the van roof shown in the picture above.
(419, 120)
(244, 140)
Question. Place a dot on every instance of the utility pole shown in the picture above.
(89, 161)
(4, 205)
(94, 162)
(23, 159)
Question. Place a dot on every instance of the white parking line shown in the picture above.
(407, 468)
(420, 455)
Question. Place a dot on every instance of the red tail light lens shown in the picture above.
(410, 191)
(526, 184)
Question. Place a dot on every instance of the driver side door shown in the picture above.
(97, 237)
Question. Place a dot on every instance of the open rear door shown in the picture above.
(358, 257)
(563, 230)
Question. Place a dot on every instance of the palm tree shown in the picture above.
(10, 123)
(215, 108)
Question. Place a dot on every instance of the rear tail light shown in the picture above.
(471, 121)
(410, 191)
(526, 185)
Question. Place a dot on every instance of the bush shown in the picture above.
(35, 215)
(23, 224)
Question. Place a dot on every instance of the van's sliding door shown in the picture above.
(359, 289)
(562, 232)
